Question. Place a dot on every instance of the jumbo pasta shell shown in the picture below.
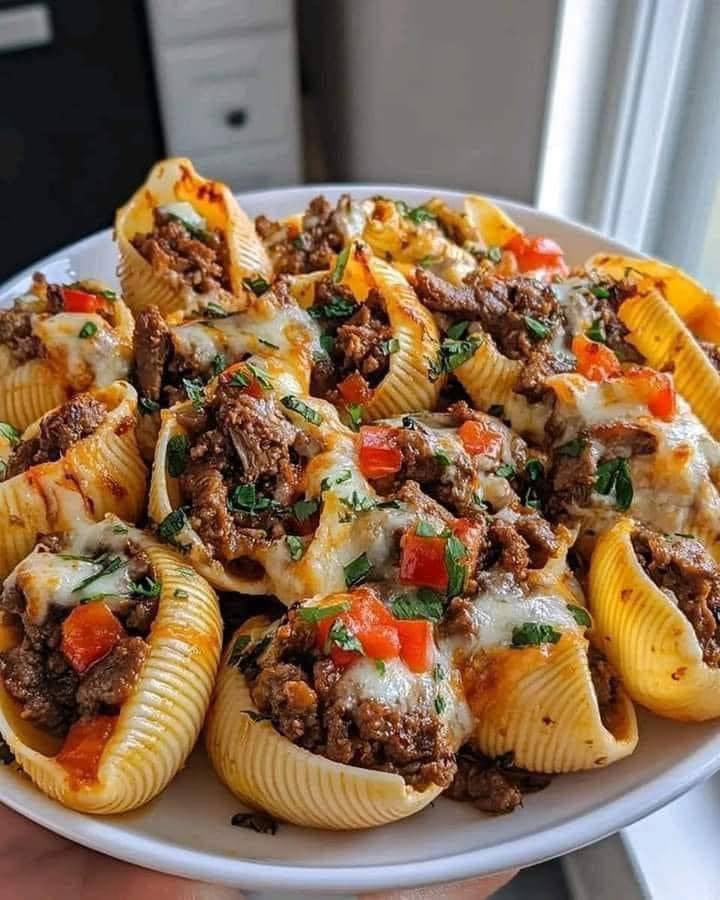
(539, 702)
(99, 474)
(160, 722)
(267, 771)
(665, 341)
(646, 636)
(29, 391)
(696, 306)
(493, 226)
(176, 180)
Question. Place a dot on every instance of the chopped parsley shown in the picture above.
(337, 308)
(441, 457)
(219, 364)
(257, 285)
(239, 647)
(537, 330)
(327, 342)
(315, 614)
(148, 406)
(596, 332)
(457, 330)
(379, 666)
(425, 529)
(172, 524)
(340, 264)
(532, 634)
(424, 604)
(215, 311)
(439, 704)
(260, 375)
(305, 509)
(359, 502)
(613, 476)
(573, 448)
(120, 529)
(88, 330)
(295, 546)
(580, 614)
(506, 471)
(9, 432)
(357, 571)
(195, 392)
(332, 480)
(108, 295)
(602, 293)
(452, 353)
(390, 346)
(438, 673)
(146, 587)
(246, 499)
(178, 449)
(107, 567)
(494, 254)
(455, 552)
(534, 474)
(342, 637)
(418, 215)
(307, 412)
(355, 415)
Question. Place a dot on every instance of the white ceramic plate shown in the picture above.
(187, 830)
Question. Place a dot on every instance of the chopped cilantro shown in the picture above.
(88, 330)
(596, 332)
(315, 614)
(537, 330)
(453, 353)
(9, 432)
(219, 364)
(423, 604)
(340, 264)
(532, 634)
(580, 614)
(305, 509)
(148, 406)
(455, 552)
(146, 587)
(357, 571)
(178, 449)
(614, 476)
(195, 392)
(355, 414)
(506, 471)
(307, 412)
(172, 524)
(257, 285)
(343, 638)
(295, 546)
(457, 330)
(494, 254)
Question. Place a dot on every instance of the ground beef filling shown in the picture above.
(513, 311)
(314, 247)
(493, 785)
(37, 674)
(239, 440)
(59, 430)
(200, 259)
(607, 687)
(16, 324)
(712, 351)
(607, 310)
(296, 688)
(683, 567)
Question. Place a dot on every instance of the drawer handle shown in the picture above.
(236, 118)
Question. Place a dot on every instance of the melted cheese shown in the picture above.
(52, 579)
(94, 361)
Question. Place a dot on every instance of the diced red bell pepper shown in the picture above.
(354, 389)
(416, 643)
(479, 438)
(370, 622)
(84, 745)
(657, 389)
(594, 360)
(76, 301)
(534, 252)
(422, 561)
(88, 634)
(379, 452)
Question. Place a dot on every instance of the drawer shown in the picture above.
(175, 21)
(229, 92)
(243, 170)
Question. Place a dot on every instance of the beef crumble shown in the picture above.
(200, 258)
(684, 568)
(297, 688)
(607, 686)
(712, 351)
(16, 324)
(314, 246)
(60, 429)
(493, 785)
(241, 440)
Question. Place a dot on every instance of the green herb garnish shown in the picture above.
(332, 480)
(379, 666)
(506, 471)
(307, 412)
(315, 614)
(457, 330)
(9, 432)
(107, 567)
(340, 264)
(260, 375)
(453, 353)
(494, 254)
(532, 634)
(337, 308)
(295, 546)
(424, 604)
(178, 449)
(455, 552)
(146, 587)
(88, 330)
(219, 364)
(355, 415)
(268, 344)
(172, 524)
(439, 704)
(343, 638)
(305, 509)
(581, 615)
(257, 285)
(148, 406)
(215, 311)
(389, 347)
(602, 293)
(537, 330)
(441, 457)
(614, 476)
(357, 571)
(195, 392)
(425, 529)
(596, 332)
(573, 448)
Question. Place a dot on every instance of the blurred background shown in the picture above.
(605, 111)
(601, 110)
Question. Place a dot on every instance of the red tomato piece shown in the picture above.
(533, 252)
(379, 452)
(253, 387)
(83, 302)
(480, 438)
(468, 532)
(594, 360)
(370, 622)
(84, 745)
(658, 391)
(354, 389)
(416, 644)
(422, 561)
(88, 634)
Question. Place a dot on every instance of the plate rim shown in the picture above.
(566, 835)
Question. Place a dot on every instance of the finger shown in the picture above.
(474, 889)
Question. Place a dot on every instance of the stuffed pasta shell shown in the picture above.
(57, 340)
(359, 707)
(186, 246)
(78, 462)
(376, 338)
(109, 648)
(656, 605)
